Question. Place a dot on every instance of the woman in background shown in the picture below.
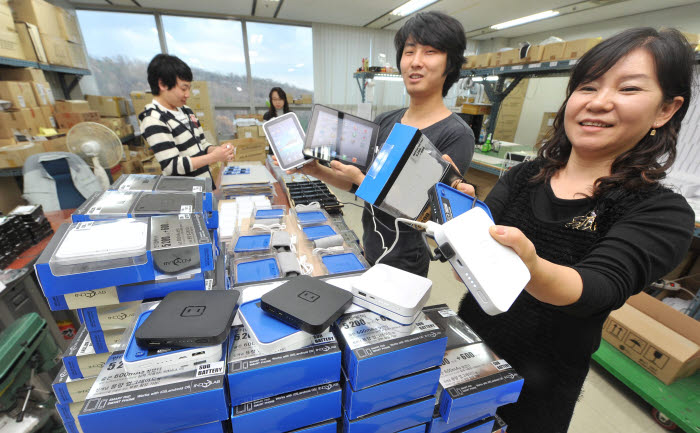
(278, 104)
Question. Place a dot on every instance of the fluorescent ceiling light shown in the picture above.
(477, 79)
(492, 78)
(524, 20)
(387, 77)
(411, 6)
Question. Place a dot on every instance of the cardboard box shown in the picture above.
(306, 99)
(693, 38)
(206, 119)
(10, 45)
(30, 39)
(577, 48)
(39, 92)
(248, 144)
(152, 167)
(6, 125)
(199, 96)
(261, 132)
(247, 132)
(18, 93)
(56, 49)
(27, 119)
(78, 58)
(72, 106)
(108, 106)
(553, 51)
(140, 100)
(534, 54)
(504, 58)
(663, 341)
(67, 120)
(14, 155)
(7, 22)
(69, 26)
(545, 126)
(47, 116)
(40, 13)
(132, 166)
(56, 143)
(476, 108)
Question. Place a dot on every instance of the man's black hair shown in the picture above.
(439, 31)
(167, 69)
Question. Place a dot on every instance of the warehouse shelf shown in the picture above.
(6, 61)
(61, 71)
(362, 77)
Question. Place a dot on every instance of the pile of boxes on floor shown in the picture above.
(20, 229)
(37, 31)
(250, 143)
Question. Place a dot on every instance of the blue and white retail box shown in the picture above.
(153, 182)
(376, 349)
(289, 411)
(69, 390)
(393, 419)
(135, 204)
(98, 254)
(254, 374)
(330, 426)
(402, 173)
(387, 394)
(485, 425)
(69, 415)
(82, 359)
(474, 381)
(109, 317)
(415, 429)
(212, 427)
(156, 399)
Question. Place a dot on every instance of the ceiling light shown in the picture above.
(477, 79)
(524, 20)
(411, 6)
(492, 78)
(388, 77)
(239, 88)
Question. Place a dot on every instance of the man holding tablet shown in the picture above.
(430, 53)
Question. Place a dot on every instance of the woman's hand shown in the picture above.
(461, 186)
(347, 172)
(309, 168)
(515, 239)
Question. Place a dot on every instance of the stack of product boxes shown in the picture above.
(146, 241)
(390, 372)
(114, 113)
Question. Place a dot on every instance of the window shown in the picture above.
(280, 56)
(119, 47)
(213, 49)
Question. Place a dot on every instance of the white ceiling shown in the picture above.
(473, 14)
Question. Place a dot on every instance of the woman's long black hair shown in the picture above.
(272, 112)
(646, 163)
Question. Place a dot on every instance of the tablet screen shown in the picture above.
(337, 135)
(287, 140)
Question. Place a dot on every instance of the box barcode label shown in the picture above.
(184, 216)
(501, 365)
(210, 369)
(196, 189)
(208, 284)
(85, 225)
(186, 208)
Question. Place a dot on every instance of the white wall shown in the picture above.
(547, 93)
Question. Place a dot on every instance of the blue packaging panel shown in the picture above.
(257, 270)
(212, 427)
(472, 407)
(289, 411)
(338, 263)
(318, 232)
(393, 419)
(252, 243)
(438, 425)
(417, 429)
(389, 394)
(311, 217)
(330, 426)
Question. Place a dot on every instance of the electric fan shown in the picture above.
(98, 145)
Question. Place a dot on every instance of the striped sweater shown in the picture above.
(173, 142)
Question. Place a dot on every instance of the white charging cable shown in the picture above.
(314, 205)
(381, 238)
(269, 228)
(336, 249)
(429, 227)
(306, 267)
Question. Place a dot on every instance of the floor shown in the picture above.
(606, 406)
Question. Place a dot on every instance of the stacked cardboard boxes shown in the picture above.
(10, 44)
(58, 42)
(200, 103)
(114, 113)
(509, 113)
(250, 149)
(71, 112)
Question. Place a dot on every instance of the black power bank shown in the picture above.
(306, 303)
(185, 318)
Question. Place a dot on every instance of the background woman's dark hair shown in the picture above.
(439, 31)
(646, 163)
(272, 112)
(167, 69)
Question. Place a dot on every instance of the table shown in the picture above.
(493, 162)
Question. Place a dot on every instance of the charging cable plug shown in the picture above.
(443, 252)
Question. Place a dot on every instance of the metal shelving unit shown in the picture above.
(362, 77)
(61, 71)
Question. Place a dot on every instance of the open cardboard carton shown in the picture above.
(659, 338)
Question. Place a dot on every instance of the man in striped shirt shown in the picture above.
(171, 128)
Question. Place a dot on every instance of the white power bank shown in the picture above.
(103, 240)
(493, 273)
(391, 292)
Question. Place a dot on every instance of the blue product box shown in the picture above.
(344, 262)
(155, 400)
(393, 393)
(318, 232)
(101, 340)
(330, 426)
(406, 167)
(212, 427)
(485, 425)
(499, 426)
(311, 217)
(254, 270)
(288, 411)
(376, 349)
(474, 381)
(156, 182)
(108, 317)
(417, 429)
(160, 247)
(393, 419)
(69, 390)
(81, 359)
(254, 375)
(69, 416)
(252, 243)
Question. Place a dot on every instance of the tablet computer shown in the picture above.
(286, 138)
(333, 134)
